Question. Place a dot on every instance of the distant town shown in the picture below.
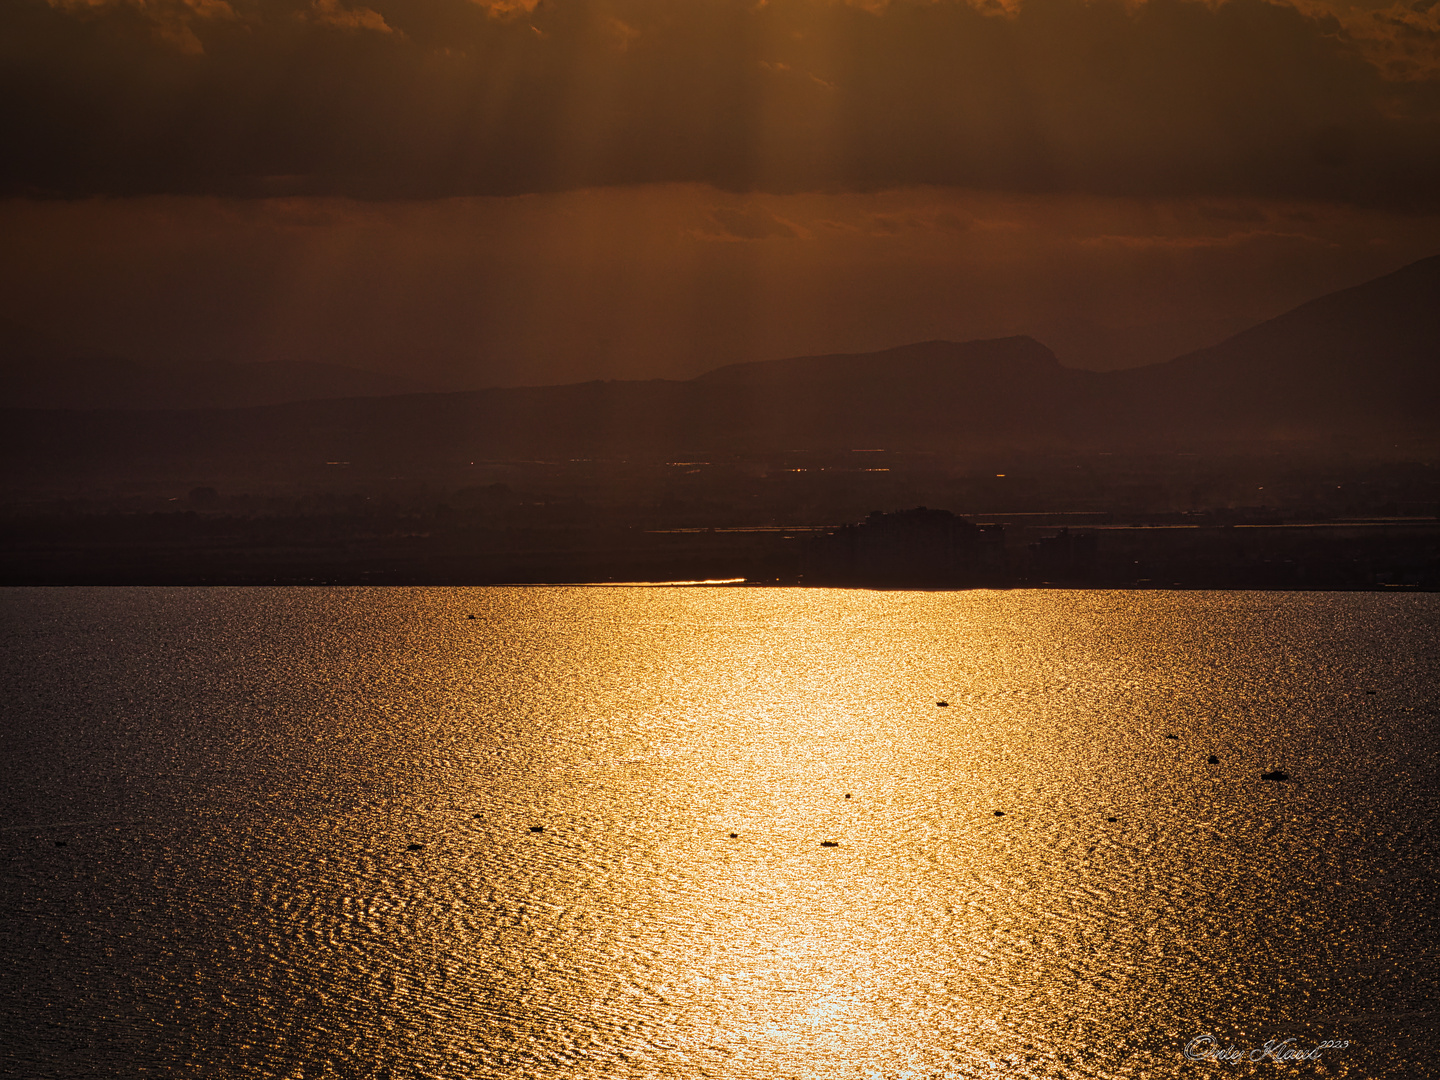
(863, 518)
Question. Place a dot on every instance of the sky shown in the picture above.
(482, 192)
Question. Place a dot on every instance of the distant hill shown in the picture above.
(935, 393)
(1362, 360)
(35, 374)
(994, 360)
(1358, 366)
(1097, 346)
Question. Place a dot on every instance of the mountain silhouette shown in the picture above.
(1365, 360)
(1359, 366)
(939, 393)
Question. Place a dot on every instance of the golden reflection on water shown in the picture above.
(326, 731)
(937, 936)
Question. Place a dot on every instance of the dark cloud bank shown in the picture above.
(449, 97)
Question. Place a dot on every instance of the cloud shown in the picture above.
(748, 222)
(330, 13)
(918, 220)
(622, 33)
(1241, 99)
(505, 9)
(1182, 243)
(1402, 41)
(173, 21)
(1242, 212)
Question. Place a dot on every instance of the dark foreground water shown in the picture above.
(293, 833)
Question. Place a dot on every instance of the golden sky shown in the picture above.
(528, 190)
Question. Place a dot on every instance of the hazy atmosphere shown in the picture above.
(521, 192)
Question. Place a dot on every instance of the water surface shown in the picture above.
(238, 776)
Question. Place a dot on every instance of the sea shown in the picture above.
(717, 832)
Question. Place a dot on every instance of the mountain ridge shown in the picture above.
(1368, 355)
(1357, 365)
(1017, 351)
